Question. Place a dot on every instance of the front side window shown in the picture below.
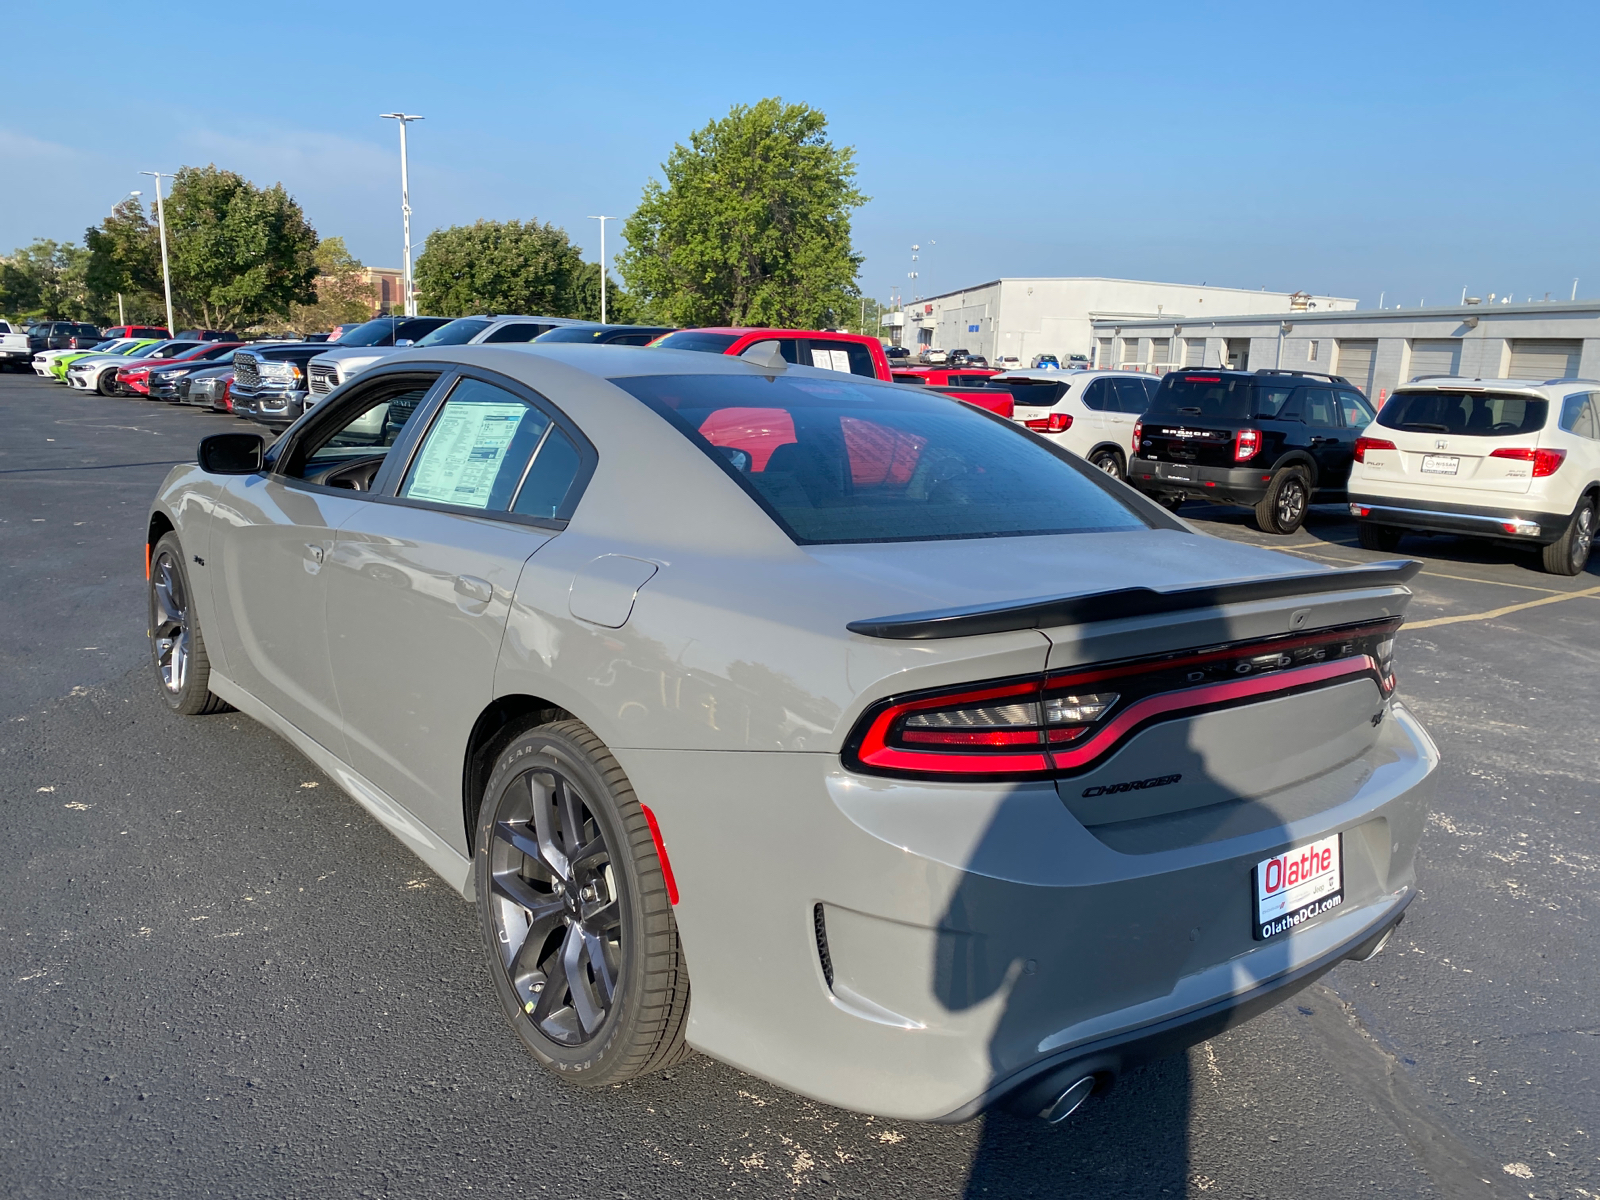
(846, 460)
(1133, 394)
(350, 452)
(477, 451)
(1465, 414)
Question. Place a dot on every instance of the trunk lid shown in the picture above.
(1472, 437)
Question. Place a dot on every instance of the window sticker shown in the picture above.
(831, 360)
(463, 454)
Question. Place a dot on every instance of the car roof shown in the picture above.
(764, 331)
(1470, 383)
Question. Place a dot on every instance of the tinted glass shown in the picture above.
(577, 333)
(1279, 401)
(908, 377)
(1357, 412)
(1132, 396)
(377, 332)
(1227, 397)
(456, 333)
(691, 339)
(1470, 414)
(476, 450)
(1319, 408)
(1100, 395)
(418, 327)
(549, 478)
(631, 339)
(851, 461)
(224, 350)
(520, 331)
(86, 331)
(369, 431)
(1040, 393)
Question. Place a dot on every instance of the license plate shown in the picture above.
(1298, 885)
(1177, 471)
(1440, 464)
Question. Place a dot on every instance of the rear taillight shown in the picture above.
(1246, 444)
(1138, 434)
(1363, 444)
(1054, 423)
(1545, 462)
(1064, 723)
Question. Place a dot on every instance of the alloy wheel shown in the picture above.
(1291, 503)
(1108, 463)
(1582, 537)
(555, 905)
(171, 632)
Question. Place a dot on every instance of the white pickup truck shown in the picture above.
(14, 351)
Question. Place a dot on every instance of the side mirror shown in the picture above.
(403, 342)
(232, 453)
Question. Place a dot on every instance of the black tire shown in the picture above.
(1378, 537)
(106, 384)
(177, 650)
(539, 922)
(1283, 508)
(1569, 553)
(1108, 461)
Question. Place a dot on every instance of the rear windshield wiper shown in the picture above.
(1423, 426)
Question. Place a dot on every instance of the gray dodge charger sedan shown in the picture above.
(845, 733)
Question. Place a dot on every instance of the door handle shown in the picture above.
(313, 559)
(473, 594)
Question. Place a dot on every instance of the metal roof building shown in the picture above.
(1375, 349)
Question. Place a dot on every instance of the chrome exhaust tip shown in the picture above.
(1069, 1101)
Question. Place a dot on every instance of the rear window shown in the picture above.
(691, 339)
(1226, 397)
(1038, 393)
(377, 332)
(1465, 414)
(851, 461)
(456, 333)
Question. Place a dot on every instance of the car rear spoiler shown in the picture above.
(1047, 612)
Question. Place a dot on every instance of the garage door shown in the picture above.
(1355, 363)
(1441, 356)
(1194, 352)
(1102, 358)
(1537, 359)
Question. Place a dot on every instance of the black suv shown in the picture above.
(1272, 440)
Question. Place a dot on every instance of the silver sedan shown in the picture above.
(952, 772)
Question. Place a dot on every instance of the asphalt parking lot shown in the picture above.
(218, 976)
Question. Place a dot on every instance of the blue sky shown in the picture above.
(1358, 149)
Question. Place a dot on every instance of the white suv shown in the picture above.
(1091, 413)
(1498, 458)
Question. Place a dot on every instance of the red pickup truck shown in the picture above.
(852, 352)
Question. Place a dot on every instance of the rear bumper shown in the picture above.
(1222, 485)
(1520, 524)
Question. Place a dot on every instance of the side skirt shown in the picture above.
(441, 857)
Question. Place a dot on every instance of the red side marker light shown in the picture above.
(667, 876)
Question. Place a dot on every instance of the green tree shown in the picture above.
(752, 226)
(583, 298)
(46, 279)
(501, 266)
(125, 259)
(239, 253)
(343, 293)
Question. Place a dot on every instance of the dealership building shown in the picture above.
(1375, 349)
(1026, 317)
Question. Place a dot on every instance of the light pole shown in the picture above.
(603, 221)
(121, 319)
(405, 209)
(166, 271)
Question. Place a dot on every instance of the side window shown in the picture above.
(634, 339)
(841, 356)
(476, 453)
(1358, 413)
(1578, 415)
(349, 453)
(548, 478)
(522, 331)
(1131, 395)
(1099, 395)
(1319, 407)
